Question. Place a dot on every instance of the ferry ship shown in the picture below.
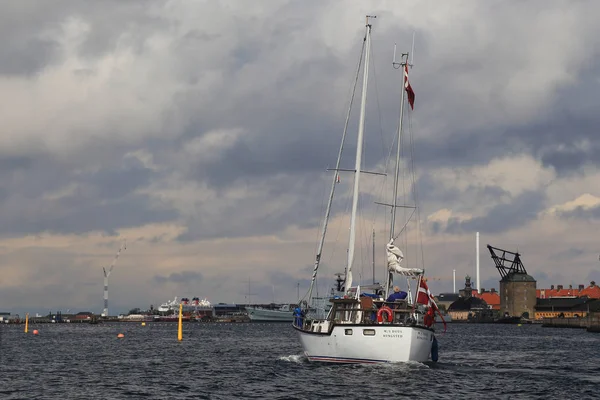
(196, 308)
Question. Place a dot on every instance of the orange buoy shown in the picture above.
(120, 336)
(35, 332)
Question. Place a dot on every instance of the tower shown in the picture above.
(517, 288)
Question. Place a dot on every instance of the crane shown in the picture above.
(122, 247)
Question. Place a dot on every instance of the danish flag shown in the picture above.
(425, 297)
(409, 92)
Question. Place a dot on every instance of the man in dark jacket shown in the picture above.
(397, 295)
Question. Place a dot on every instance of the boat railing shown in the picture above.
(362, 316)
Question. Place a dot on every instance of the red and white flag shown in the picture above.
(409, 92)
(425, 297)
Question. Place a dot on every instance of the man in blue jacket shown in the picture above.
(298, 316)
(397, 295)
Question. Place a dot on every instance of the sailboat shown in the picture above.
(361, 325)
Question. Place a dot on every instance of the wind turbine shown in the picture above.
(122, 247)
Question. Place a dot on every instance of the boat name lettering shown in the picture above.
(392, 333)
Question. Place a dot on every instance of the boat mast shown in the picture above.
(333, 183)
(373, 256)
(402, 63)
(357, 165)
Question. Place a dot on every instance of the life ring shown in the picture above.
(388, 311)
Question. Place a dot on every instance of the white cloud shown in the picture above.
(585, 201)
(211, 146)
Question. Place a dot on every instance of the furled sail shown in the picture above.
(394, 257)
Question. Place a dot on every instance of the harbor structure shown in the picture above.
(517, 287)
(122, 247)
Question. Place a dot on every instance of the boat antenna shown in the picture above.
(412, 52)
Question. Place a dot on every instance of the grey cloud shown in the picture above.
(13, 163)
(102, 200)
(115, 183)
(545, 279)
(24, 50)
(57, 277)
(132, 211)
(582, 213)
(517, 213)
(107, 27)
(594, 275)
(283, 286)
(259, 214)
(486, 284)
(180, 277)
(27, 25)
(569, 253)
(27, 56)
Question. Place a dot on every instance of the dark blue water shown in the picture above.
(264, 361)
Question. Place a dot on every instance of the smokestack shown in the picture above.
(477, 256)
(454, 277)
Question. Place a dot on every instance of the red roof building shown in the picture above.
(492, 298)
(592, 292)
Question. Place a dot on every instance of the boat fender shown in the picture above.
(434, 350)
(388, 311)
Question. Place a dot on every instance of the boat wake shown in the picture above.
(295, 358)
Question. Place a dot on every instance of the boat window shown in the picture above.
(348, 331)
(369, 332)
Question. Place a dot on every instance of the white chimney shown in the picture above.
(454, 277)
(477, 257)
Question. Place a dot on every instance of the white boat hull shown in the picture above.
(265, 315)
(388, 344)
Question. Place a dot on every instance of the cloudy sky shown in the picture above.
(201, 132)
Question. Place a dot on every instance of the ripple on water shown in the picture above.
(265, 361)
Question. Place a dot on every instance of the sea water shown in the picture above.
(265, 361)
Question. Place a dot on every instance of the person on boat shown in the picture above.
(397, 295)
(298, 314)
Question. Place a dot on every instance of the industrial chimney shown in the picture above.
(477, 257)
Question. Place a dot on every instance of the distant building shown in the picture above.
(491, 297)
(517, 295)
(468, 309)
(566, 307)
(592, 291)
(443, 300)
(84, 315)
(467, 291)
(470, 306)
(517, 288)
